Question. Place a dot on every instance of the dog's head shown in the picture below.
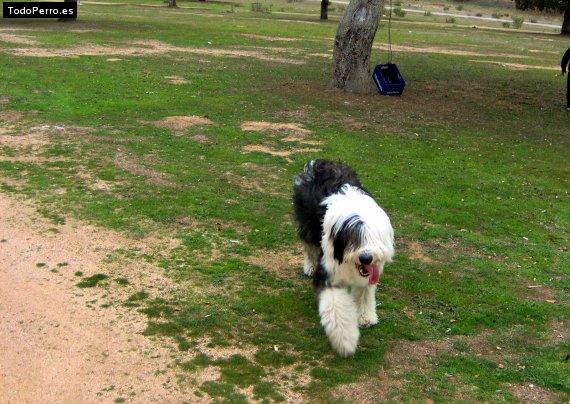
(358, 238)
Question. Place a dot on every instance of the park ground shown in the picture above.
(147, 250)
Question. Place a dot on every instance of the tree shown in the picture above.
(561, 6)
(172, 3)
(325, 9)
(353, 46)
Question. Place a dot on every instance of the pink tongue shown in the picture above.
(374, 274)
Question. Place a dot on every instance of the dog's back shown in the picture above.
(319, 179)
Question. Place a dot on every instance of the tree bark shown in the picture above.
(171, 3)
(325, 9)
(566, 23)
(353, 46)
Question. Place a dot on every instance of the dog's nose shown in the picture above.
(365, 258)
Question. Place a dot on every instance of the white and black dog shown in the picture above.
(347, 238)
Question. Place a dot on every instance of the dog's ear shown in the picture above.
(339, 244)
(349, 234)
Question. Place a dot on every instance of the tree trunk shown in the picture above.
(566, 23)
(171, 3)
(67, 18)
(353, 45)
(325, 9)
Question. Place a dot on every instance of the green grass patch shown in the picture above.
(122, 281)
(92, 281)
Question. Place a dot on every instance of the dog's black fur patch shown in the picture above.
(320, 277)
(319, 180)
(349, 235)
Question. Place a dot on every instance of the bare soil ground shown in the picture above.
(287, 132)
(17, 39)
(52, 344)
(129, 163)
(181, 123)
(279, 153)
(272, 127)
(516, 66)
(135, 48)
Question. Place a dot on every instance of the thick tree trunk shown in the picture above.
(566, 23)
(325, 9)
(171, 3)
(353, 45)
(66, 18)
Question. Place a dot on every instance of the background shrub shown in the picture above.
(399, 12)
(518, 21)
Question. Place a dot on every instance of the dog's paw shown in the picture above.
(346, 346)
(343, 338)
(367, 320)
(338, 318)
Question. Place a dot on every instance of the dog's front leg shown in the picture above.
(338, 314)
(311, 261)
(365, 298)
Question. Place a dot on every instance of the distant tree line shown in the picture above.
(560, 6)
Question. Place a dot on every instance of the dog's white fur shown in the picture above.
(338, 313)
(341, 313)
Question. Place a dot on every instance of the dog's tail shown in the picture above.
(307, 175)
(339, 319)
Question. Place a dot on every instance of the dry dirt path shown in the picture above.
(53, 347)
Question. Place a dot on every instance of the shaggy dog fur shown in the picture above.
(347, 239)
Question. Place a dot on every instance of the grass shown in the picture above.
(91, 281)
(122, 281)
(471, 165)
